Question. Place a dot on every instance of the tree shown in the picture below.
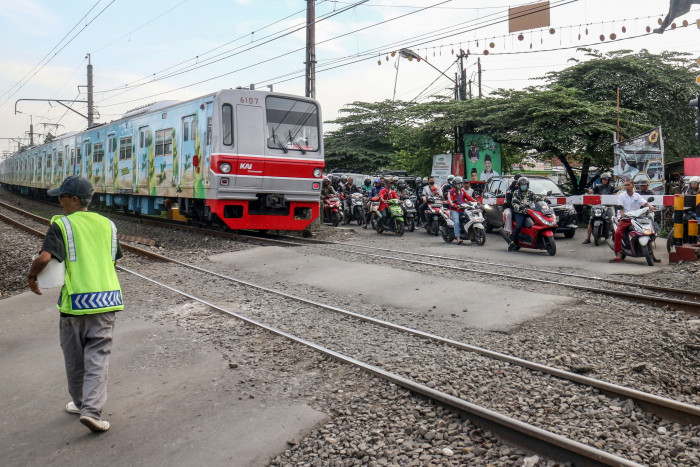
(49, 138)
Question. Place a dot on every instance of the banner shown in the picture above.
(458, 165)
(641, 159)
(483, 157)
(442, 166)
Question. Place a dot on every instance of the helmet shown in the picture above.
(517, 177)
(450, 177)
(368, 181)
(425, 180)
(389, 180)
(402, 185)
(695, 179)
(326, 179)
(457, 181)
(344, 178)
(605, 175)
(524, 181)
(378, 180)
(419, 180)
(336, 179)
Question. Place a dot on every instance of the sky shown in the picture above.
(147, 51)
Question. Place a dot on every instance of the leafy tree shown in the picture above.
(49, 138)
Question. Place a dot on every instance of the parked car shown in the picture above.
(496, 188)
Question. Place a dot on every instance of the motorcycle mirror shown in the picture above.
(619, 206)
(549, 193)
(650, 199)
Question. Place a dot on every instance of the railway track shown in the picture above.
(517, 432)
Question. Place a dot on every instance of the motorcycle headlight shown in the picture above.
(648, 232)
(570, 208)
(598, 212)
(409, 203)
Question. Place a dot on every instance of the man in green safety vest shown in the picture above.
(87, 243)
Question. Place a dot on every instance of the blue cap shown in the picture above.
(74, 185)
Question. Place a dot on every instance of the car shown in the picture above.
(496, 188)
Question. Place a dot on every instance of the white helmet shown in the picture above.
(694, 179)
(450, 177)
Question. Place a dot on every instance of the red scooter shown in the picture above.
(331, 210)
(538, 230)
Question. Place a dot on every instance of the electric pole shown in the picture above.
(91, 110)
(479, 62)
(311, 49)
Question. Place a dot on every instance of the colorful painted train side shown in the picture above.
(248, 159)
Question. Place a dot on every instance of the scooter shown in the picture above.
(331, 210)
(538, 230)
(394, 221)
(471, 225)
(637, 239)
(600, 216)
(409, 212)
(436, 216)
(354, 209)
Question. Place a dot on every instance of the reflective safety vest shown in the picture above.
(91, 283)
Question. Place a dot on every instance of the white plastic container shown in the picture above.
(52, 276)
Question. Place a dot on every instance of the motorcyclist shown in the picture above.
(343, 182)
(604, 188)
(327, 189)
(508, 205)
(385, 195)
(377, 188)
(366, 188)
(693, 186)
(402, 190)
(630, 201)
(455, 197)
(350, 187)
(335, 182)
(429, 190)
(418, 185)
(523, 198)
(447, 186)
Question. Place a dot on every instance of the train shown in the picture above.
(243, 158)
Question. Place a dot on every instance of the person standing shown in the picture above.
(87, 243)
(630, 201)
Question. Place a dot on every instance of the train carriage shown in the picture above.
(245, 158)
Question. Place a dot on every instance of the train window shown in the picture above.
(185, 130)
(164, 142)
(125, 148)
(78, 158)
(292, 124)
(142, 137)
(112, 143)
(98, 153)
(208, 131)
(59, 160)
(227, 124)
(193, 129)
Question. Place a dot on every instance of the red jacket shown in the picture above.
(454, 198)
(384, 195)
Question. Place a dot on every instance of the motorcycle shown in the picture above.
(471, 225)
(354, 208)
(409, 212)
(373, 210)
(637, 239)
(394, 221)
(538, 230)
(436, 216)
(600, 217)
(331, 210)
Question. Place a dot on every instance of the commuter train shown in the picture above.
(249, 159)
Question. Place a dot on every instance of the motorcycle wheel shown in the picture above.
(436, 229)
(550, 246)
(411, 225)
(646, 251)
(360, 217)
(447, 234)
(479, 237)
(596, 236)
(373, 223)
(489, 227)
(336, 219)
(399, 228)
(570, 234)
(346, 219)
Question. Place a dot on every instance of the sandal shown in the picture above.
(615, 260)
(586, 242)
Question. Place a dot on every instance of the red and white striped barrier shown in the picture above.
(592, 200)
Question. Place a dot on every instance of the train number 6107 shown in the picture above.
(249, 100)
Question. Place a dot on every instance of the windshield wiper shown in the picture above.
(303, 151)
(275, 139)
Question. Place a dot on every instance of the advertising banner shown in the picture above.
(458, 165)
(442, 167)
(483, 157)
(641, 159)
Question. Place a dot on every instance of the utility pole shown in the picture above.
(91, 110)
(470, 89)
(31, 131)
(479, 62)
(311, 49)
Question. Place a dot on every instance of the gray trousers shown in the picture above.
(86, 341)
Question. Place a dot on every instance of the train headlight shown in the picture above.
(225, 167)
(318, 172)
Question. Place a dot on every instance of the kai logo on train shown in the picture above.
(246, 166)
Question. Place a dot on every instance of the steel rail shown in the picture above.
(670, 290)
(532, 438)
(519, 433)
(689, 306)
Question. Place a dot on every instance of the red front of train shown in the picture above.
(267, 160)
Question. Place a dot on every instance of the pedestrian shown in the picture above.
(87, 243)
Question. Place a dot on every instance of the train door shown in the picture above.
(125, 176)
(78, 160)
(250, 131)
(48, 168)
(207, 144)
(70, 155)
(58, 173)
(187, 145)
(112, 163)
(142, 178)
(86, 165)
(98, 169)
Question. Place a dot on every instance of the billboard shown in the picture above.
(483, 157)
(641, 159)
(442, 167)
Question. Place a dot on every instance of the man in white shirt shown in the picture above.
(630, 201)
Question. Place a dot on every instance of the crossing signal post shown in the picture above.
(694, 103)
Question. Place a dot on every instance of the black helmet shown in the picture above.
(517, 177)
(401, 185)
(368, 181)
(524, 181)
(336, 179)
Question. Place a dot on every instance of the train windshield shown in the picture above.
(292, 124)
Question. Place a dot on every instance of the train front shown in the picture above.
(267, 160)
